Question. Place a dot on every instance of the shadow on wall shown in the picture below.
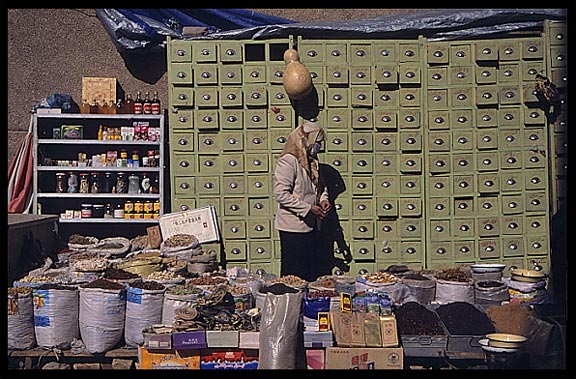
(148, 66)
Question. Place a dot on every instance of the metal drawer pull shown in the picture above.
(231, 96)
(386, 250)
(362, 229)
(184, 185)
(509, 117)
(512, 246)
(234, 207)
(487, 139)
(234, 229)
(460, 54)
(387, 206)
(335, 53)
(337, 74)
(489, 249)
(489, 183)
(230, 163)
(255, 74)
(535, 180)
(337, 141)
(184, 164)
(233, 185)
(439, 120)
(533, 137)
(206, 75)
(487, 95)
(281, 139)
(256, 118)
(464, 228)
(437, 98)
(207, 119)
(535, 224)
(361, 207)
(409, 53)
(487, 162)
(462, 119)
(180, 52)
(461, 97)
(409, 97)
(205, 52)
(512, 225)
(461, 75)
(182, 97)
(360, 75)
(462, 205)
(361, 97)
(208, 141)
(410, 162)
(534, 159)
(486, 51)
(280, 118)
(182, 142)
(338, 207)
(362, 119)
(259, 228)
(508, 73)
(363, 251)
(410, 250)
(486, 118)
(387, 74)
(235, 251)
(410, 184)
(508, 51)
(385, 53)
(257, 141)
(230, 75)
(312, 53)
(184, 207)
(488, 226)
(439, 207)
(410, 75)
(463, 184)
(181, 74)
(386, 184)
(208, 185)
(258, 206)
(439, 185)
(255, 95)
(260, 250)
(486, 74)
(464, 249)
(257, 162)
(232, 141)
(386, 119)
(410, 207)
(509, 94)
(462, 140)
(258, 185)
(362, 185)
(183, 119)
(362, 163)
(206, 97)
(535, 202)
(512, 204)
(230, 52)
(536, 245)
(439, 228)
(511, 160)
(278, 74)
(209, 163)
(410, 119)
(386, 141)
(362, 141)
(441, 250)
(510, 139)
(360, 53)
(438, 54)
(280, 96)
(337, 162)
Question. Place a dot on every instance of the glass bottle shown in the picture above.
(85, 107)
(155, 187)
(60, 182)
(111, 107)
(120, 106)
(129, 104)
(147, 104)
(108, 211)
(155, 103)
(100, 132)
(133, 184)
(94, 107)
(138, 103)
(145, 184)
(119, 211)
(103, 107)
(107, 183)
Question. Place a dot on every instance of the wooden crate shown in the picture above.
(99, 89)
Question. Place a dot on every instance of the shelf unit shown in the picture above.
(48, 151)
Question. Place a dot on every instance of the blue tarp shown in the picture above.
(146, 29)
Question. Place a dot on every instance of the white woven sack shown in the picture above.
(56, 316)
(101, 314)
(172, 302)
(21, 322)
(143, 309)
(450, 291)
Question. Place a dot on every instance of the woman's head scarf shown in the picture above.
(298, 141)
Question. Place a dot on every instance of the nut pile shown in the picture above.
(290, 280)
(178, 240)
(381, 278)
(453, 275)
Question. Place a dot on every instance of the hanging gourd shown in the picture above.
(297, 81)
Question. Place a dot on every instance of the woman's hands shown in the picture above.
(321, 211)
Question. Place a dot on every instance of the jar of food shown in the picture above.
(60, 182)
(72, 182)
(138, 209)
(95, 185)
(145, 184)
(156, 206)
(148, 209)
(133, 184)
(128, 209)
(121, 184)
(84, 183)
(135, 158)
(98, 211)
(108, 211)
(118, 211)
(86, 211)
(107, 183)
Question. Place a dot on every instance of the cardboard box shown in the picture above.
(315, 359)
(157, 341)
(365, 358)
(222, 338)
(230, 360)
(189, 340)
(96, 88)
(168, 359)
(72, 132)
(249, 340)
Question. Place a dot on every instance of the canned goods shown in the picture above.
(138, 209)
(86, 211)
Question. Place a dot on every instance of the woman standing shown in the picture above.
(303, 203)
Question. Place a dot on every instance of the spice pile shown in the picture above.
(509, 318)
(413, 318)
(461, 318)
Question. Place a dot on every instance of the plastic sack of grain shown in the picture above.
(448, 291)
(56, 315)
(143, 309)
(102, 314)
(20, 319)
(173, 301)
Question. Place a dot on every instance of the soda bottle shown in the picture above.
(147, 105)
(155, 103)
(138, 103)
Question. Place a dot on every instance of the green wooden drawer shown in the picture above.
(461, 75)
(362, 118)
(439, 141)
(260, 206)
(182, 96)
(231, 51)
(487, 95)
(311, 52)
(259, 228)
(536, 224)
(409, 73)
(255, 96)
(233, 185)
(363, 250)
(460, 54)
(410, 141)
(439, 120)
(409, 52)
(235, 251)
(208, 185)
(181, 118)
(387, 207)
(276, 73)
(486, 75)
(362, 185)
(337, 97)
(410, 97)
(410, 206)
(411, 185)
(235, 206)
(260, 250)
(206, 75)
(512, 204)
(488, 183)
(529, 70)
(529, 94)
(362, 163)
(258, 184)
(439, 164)
(535, 179)
(337, 74)
(409, 118)
(278, 96)
(386, 73)
(228, 163)
(441, 252)
(283, 119)
(386, 118)
(463, 206)
(509, 73)
(184, 186)
(411, 251)
(385, 142)
(180, 51)
(534, 117)
(209, 142)
(362, 207)
(360, 52)
(317, 74)
(256, 140)
(207, 119)
(489, 248)
(181, 73)
(463, 185)
(257, 162)
(439, 185)
(488, 206)
(386, 250)
(509, 117)
(486, 51)
(439, 207)
(462, 140)
(278, 138)
(439, 230)
(232, 141)
(230, 75)
(437, 53)
(558, 56)
(487, 139)
(510, 139)
(205, 51)
(255, 119)
(513, 246)
(536, 245)
(362, 142)
(342, 206)
(461, 97)
(512, 225)
(509, 50)
(385, 51)
(233, 229)
(183, 204)
(511, 181)
(464, 250)
(336, 52)
(533, 48)
(437, 98)
(511, 160)
(360, 74)
(361, 96)
(362, 229)
(183, 164)
(387, 230)
(337, 141)
(231, 97)
(535, 201)
(338, 118)
(487, 161)
(509, 95)
(211, 164)
(387, 185)
(254, 74)
(464, 227)
(182, 141)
